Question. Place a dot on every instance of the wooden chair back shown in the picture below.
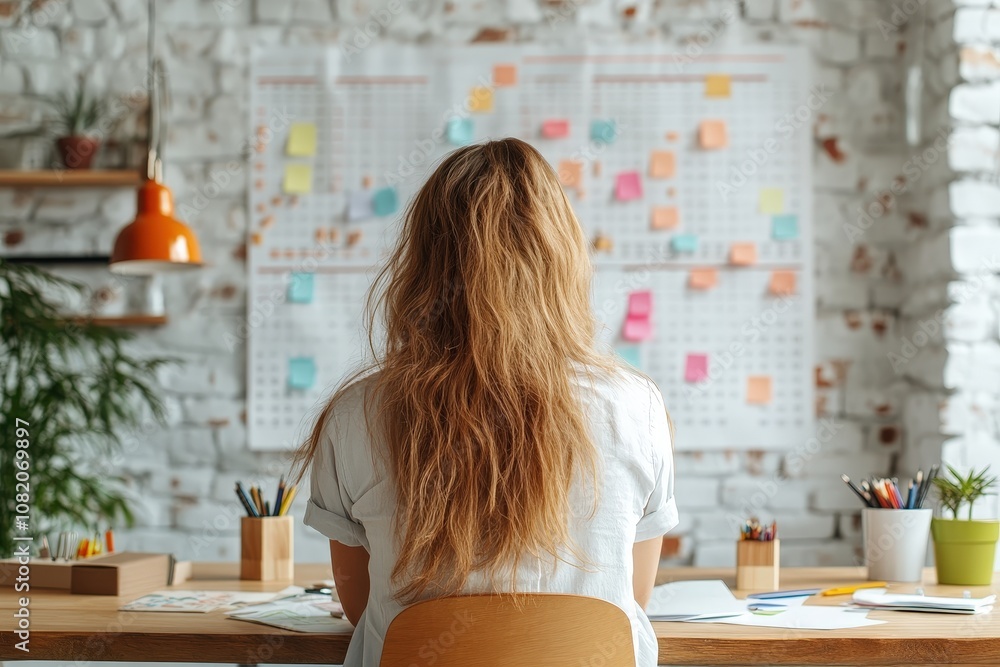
(506, 630)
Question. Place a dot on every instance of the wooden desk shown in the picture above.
(67, 627)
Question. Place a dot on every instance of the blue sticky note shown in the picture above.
(300, 289)
(301, 372)
(460, 131)
(630, 355)
(604, 131)
(684, 243)
(785, 227)
(385, 202)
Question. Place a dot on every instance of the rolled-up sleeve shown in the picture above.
(660, 514)
(329, 507)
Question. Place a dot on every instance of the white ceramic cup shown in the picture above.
(895, 543)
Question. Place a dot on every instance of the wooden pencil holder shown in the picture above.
(267, 548)
(757, 565)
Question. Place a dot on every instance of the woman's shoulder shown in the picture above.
(620, 384)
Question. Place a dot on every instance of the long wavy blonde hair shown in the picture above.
(486, 309)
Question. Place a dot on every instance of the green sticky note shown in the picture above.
(298, 179)
(784, 227)
(603, 131)
(300, 289)
(684, 243)
(301, 140)
(772, 200)
(630, 355)
(460, 131)
(301, 372)
(385, 202)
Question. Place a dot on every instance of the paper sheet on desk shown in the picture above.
(802, 618)
(689, 600)
(309, 612)
(201, 601)
(878, 598)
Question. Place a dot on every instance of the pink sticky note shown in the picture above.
(637, 329)
(640, 304)
(628, 186)
(555, 129)
(696, 368)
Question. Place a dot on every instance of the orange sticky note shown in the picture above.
(256, 238)
(571, 173)
(664, 217)
(703, 278)
(661, 164)
(759, 389)
(712, 134)
(742, 254)
(782, 283)
(481, 100)
(504, 75)
(717, 85)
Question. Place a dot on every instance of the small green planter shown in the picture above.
(964, 551)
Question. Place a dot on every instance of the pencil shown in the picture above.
(855, 489)
(267, 508)
(287, 502)
(280, 495)
(243, 500)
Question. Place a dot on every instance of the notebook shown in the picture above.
(878, 598)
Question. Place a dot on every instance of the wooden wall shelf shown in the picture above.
(124, 321)
(66, 178)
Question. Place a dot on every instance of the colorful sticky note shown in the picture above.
(661, 164)
(717, 85)
(359, 205)
(703, 278)
(665, 217)
(301, 372)
(300, 288)
(571, 173)
(504, 75)
(298, 179)
(712, 134)
(785, 227)
(743, 254)
(481, 99)
(696, 367)
(555, 128)
(759, 389)
(301, 140)
(684, 242)
(630, 355)
(604, 131)
(385, 202)
(628, 186)
(637, 329)
(640, 304)
(460, 131)
(772, 200)
(782, 283)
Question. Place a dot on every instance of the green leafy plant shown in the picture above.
(78, 112)
(80, 392)
(954, 490)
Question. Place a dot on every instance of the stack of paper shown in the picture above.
(308, 612)
(878, 598)
(691, 600)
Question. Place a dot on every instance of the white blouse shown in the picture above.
(353, 502)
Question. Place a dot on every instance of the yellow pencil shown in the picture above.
(287, 502)
(847, 590)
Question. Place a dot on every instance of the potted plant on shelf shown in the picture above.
(72, 398)
(77, 117)
(964, 548)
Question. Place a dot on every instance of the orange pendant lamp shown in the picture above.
(156, 241)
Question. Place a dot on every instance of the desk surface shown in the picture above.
(78, 627)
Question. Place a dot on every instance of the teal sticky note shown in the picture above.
(630, 355)
(385, 202)
(460, 131)
(604, 131)
(784, 227)
(684, 243)
(301, 372)
(300, 289)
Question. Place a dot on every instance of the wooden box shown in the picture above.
(127, 574)
(45, 573)
(757, 565)
(267, 548)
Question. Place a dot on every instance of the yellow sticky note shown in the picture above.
(661, 164)
(504, 75)
(782, 283)
(480, 100)
(717, 85)
(712, 134)
(759, 389)
(665, 217)
(703, 278)
(571, 173)
(302, 140)
(772, 200)
(298, 179)
(742, 254)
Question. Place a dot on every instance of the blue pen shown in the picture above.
(784, 594)
(910, 497)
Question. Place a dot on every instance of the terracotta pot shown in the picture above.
(77, 152)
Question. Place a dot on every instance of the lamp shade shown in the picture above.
(155, 241)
